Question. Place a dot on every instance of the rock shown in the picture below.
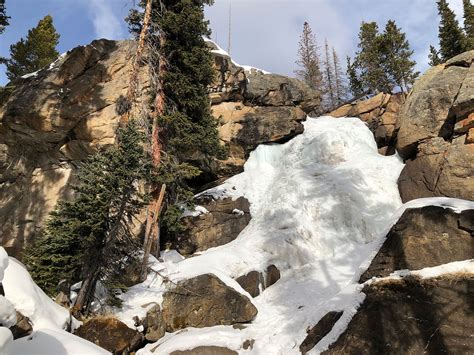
(255, 282)
(364, 106)
(273, 275)
(205, 301)
(426, 113)
(341, 111)
(465, 100)
(242, 128)
(275, 90)
(153, 325)
(111, 334)
(251, 282)
(470, 136)
(466, 221)
(423, 237)
(463, 126)
(439, 108)
(412, 316)
(462, 60)
(206, 350)
(319, 331)
(223, 222)
(440, 169)
(23, 326)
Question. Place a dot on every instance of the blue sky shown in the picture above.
(264, 32)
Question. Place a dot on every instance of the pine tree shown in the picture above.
(329, 79)
(434, 57)
(369, 59)
(451, 36)
(35, 52)
(89, 239)
(355, 84)
(3, 17)
(185, 126)
(468, 8)
(396, 57)
(339, 84)
(308, 59)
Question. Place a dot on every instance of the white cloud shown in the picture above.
(107, 24)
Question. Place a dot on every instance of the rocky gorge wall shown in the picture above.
(53, 119)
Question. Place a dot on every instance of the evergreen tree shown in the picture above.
(186, 126)
(451, 36)
(369, 59)
(308, 59)
(35, 52)
(355, 84)
(434, 57)
(396, 57)
(3, 17)
(468, 8)
(88, 239)
(339, 84)
(329, 80)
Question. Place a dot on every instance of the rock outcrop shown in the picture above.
(436, 126)
(424, 237)
(205, 301)
(380, 112)
(319, 331)
(221, 223)
(57, 117)
(409, 314)
(412, 316)
(111, 334)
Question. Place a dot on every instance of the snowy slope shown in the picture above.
(48, 318)
(320, 204)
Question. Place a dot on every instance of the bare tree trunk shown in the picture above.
(152, 229)
(133, 82)
(86, 293)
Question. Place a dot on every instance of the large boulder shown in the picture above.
(435, 125)
(205, 301)
(111, 334)
(53, 119)
(424, 237)
(412, 316)
(220, 222)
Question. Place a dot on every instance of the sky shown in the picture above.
(264, 33)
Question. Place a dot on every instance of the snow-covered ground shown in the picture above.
(48, 318)
(320, 205)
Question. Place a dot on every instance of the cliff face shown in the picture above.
(51, 120)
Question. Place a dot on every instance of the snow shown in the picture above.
(319, 204)
(222, 52)
(238, 212)
(198, 210)
(7, 313)
(49, 341)
(6, 338)
(31, 301)
(50, 67)
(455, 267)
